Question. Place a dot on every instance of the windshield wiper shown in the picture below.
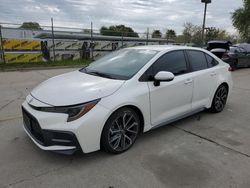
(96, 73)
(100, 74)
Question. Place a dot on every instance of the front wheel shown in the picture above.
(220, 99)
(120, 131)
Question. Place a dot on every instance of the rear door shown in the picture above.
(205, 75)
(171, 99)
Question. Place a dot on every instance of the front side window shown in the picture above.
(197, 60)
(174, 62)
(122, 64)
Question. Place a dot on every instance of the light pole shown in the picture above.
(204, 18)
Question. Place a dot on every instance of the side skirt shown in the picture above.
(179, 117)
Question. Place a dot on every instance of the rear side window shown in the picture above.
(174, 62)
(197, 60)
(211, 62)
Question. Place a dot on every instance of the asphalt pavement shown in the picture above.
(204, 150)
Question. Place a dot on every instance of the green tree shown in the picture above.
(212, 34)
(118, 30)
(197, 36)
(192, 34)
(180, 39)
(219, 34)
(156, 34)
(170, 34)
(31, 25)
(241, 20)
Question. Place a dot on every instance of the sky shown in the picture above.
(138, 14)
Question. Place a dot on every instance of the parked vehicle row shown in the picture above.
(237, 56)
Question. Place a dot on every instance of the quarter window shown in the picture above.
(211, 61)
(197, 60)
(174, 62)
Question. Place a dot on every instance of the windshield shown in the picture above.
(122, 64)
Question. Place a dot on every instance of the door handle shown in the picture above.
(188, 81)
(213, 73)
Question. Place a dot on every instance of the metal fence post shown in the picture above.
(1, 45)
(53, 40)
(122, 39)
(92, 45)
(147, 36)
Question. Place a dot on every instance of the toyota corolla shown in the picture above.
(107, 104)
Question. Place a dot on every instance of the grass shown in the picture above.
(63, 63)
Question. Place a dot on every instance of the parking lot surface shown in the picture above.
(204, 150)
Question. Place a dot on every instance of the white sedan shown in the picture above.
(110, 102)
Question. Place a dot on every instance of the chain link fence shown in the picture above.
(50, 43)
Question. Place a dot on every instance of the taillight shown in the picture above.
(230, 69)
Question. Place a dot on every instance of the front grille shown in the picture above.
(33, 127)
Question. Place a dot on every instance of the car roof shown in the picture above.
(219, 42)
(166, 47)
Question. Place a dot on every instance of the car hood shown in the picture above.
(74, 88)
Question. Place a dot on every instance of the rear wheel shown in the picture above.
(220, 99)
(234, 65)
(120, 131)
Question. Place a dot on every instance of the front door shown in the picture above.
(171, 99)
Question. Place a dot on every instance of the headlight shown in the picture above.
(74, 112)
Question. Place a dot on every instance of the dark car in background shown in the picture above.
(237, 56)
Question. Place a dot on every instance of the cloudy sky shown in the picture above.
(139, 14)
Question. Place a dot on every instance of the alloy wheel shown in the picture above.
(123, 131)
(220, 98)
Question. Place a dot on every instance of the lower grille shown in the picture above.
(33, 127)
(48, 137)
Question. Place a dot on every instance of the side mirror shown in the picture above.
(163, 76)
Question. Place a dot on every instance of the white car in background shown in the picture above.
(130, 91)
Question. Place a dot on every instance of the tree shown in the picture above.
(197, 36)
(118, 30)
(156, 34)
(241, 20)
(192, 34)
(180, 39)
(30, 25)
(219, 34)
(170, 34)
(187, 32)
(212, 34)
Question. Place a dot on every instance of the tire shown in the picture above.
(220, 99)
(234, 65)
(120, 131)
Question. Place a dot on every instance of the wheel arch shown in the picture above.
(212, 97)
(136, 109)
(225, 84)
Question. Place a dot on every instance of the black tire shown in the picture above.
(234, 65)
(220, 99)
(120, 131)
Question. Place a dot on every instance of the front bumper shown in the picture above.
(52, 132)
(58, 141)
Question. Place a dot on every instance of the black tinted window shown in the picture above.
(211, 61)
(174, 62)
(197, 60)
